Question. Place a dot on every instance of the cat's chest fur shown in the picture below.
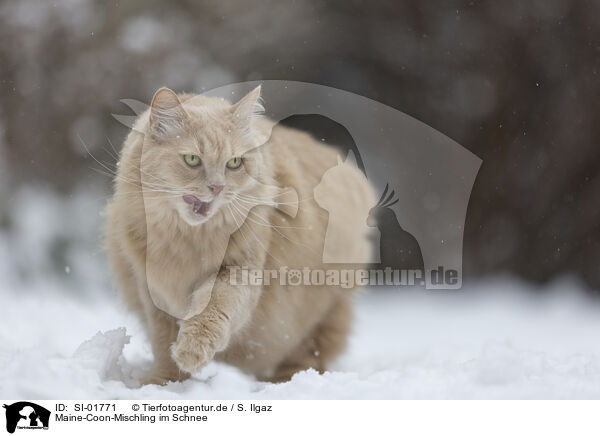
(182, 265)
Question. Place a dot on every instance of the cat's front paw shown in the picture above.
(192, 350)
(162, 373)
(162, 379)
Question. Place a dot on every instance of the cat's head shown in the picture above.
(200, 153)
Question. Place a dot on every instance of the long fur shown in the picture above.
(154, 242)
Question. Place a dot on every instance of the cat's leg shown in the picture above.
(305, 356)
(126, 281)
(162, 330)
(332, 334)
(326, 342)
(203, 335)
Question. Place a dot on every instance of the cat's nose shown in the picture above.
(215, 189)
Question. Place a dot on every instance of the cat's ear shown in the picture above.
(166, 113)
(248, 108)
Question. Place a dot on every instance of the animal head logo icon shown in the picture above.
(25, 414)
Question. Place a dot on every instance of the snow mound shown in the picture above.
(104, 354)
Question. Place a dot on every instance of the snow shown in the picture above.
(494, 339)
(64, 333)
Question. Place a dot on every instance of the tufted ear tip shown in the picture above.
(248, 107)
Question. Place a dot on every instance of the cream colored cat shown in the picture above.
(196, 192)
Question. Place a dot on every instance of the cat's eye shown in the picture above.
(234, 163)
(192, 160)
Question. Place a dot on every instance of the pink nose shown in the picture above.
(215, 189)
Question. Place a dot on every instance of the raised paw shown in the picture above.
(192, 351)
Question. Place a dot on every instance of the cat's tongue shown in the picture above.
(199, 207)
(202, 208)
(191, 199)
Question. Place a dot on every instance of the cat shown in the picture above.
(195, 179)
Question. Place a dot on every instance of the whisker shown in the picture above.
(239, 227)
(249, 197)
(316, 211)
(256, 237)
(113, 172)
(274, 227)
(113, 147)
(249, 209)
(136, 183)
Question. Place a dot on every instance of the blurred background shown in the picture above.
(515, 82)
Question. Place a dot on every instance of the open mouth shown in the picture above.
(199, 207)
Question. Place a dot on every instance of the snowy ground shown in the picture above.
(492, 340)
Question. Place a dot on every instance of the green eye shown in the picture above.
(192, 160)
(234, 163)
